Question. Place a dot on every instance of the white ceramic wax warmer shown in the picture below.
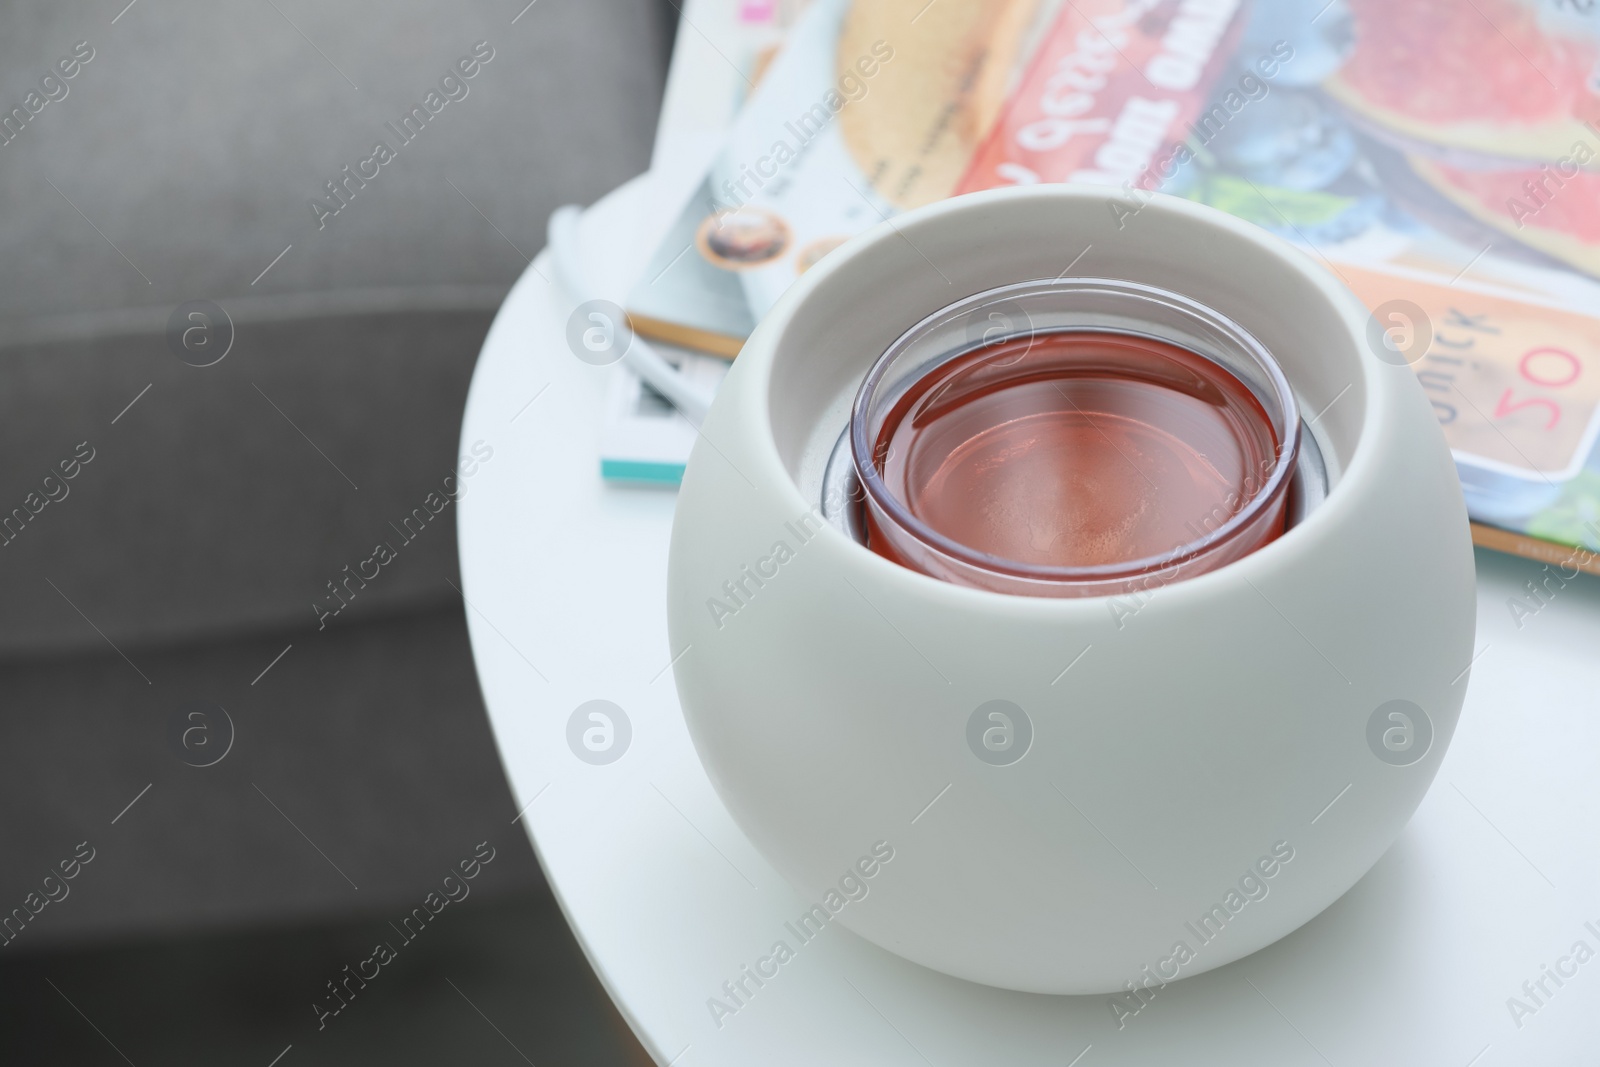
(1079, 793)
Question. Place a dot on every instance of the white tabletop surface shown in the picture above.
(1494, 879)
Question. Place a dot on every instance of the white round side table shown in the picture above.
(1459, 948)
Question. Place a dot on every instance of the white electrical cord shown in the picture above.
(638, 356)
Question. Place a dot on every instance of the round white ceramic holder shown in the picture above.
(1126, 776)
(565, 580)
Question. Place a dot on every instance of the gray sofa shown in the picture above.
(209, 507)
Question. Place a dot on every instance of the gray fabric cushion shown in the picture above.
(200, 132)
(204, 511)
(370, 738)
(194, 141)
(240, 998)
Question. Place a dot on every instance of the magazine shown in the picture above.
(1443, 159)
(644, 439)
(722, 52)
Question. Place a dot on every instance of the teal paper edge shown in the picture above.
(633, 471)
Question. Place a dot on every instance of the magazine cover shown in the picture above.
(720, 56)
(722, 52)
(1442, 158)
(840, 136)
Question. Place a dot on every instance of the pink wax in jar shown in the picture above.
(1074, 439)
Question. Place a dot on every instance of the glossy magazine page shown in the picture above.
(723, 50)
(1441, 157)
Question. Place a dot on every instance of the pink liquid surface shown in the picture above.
(1078, 449)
